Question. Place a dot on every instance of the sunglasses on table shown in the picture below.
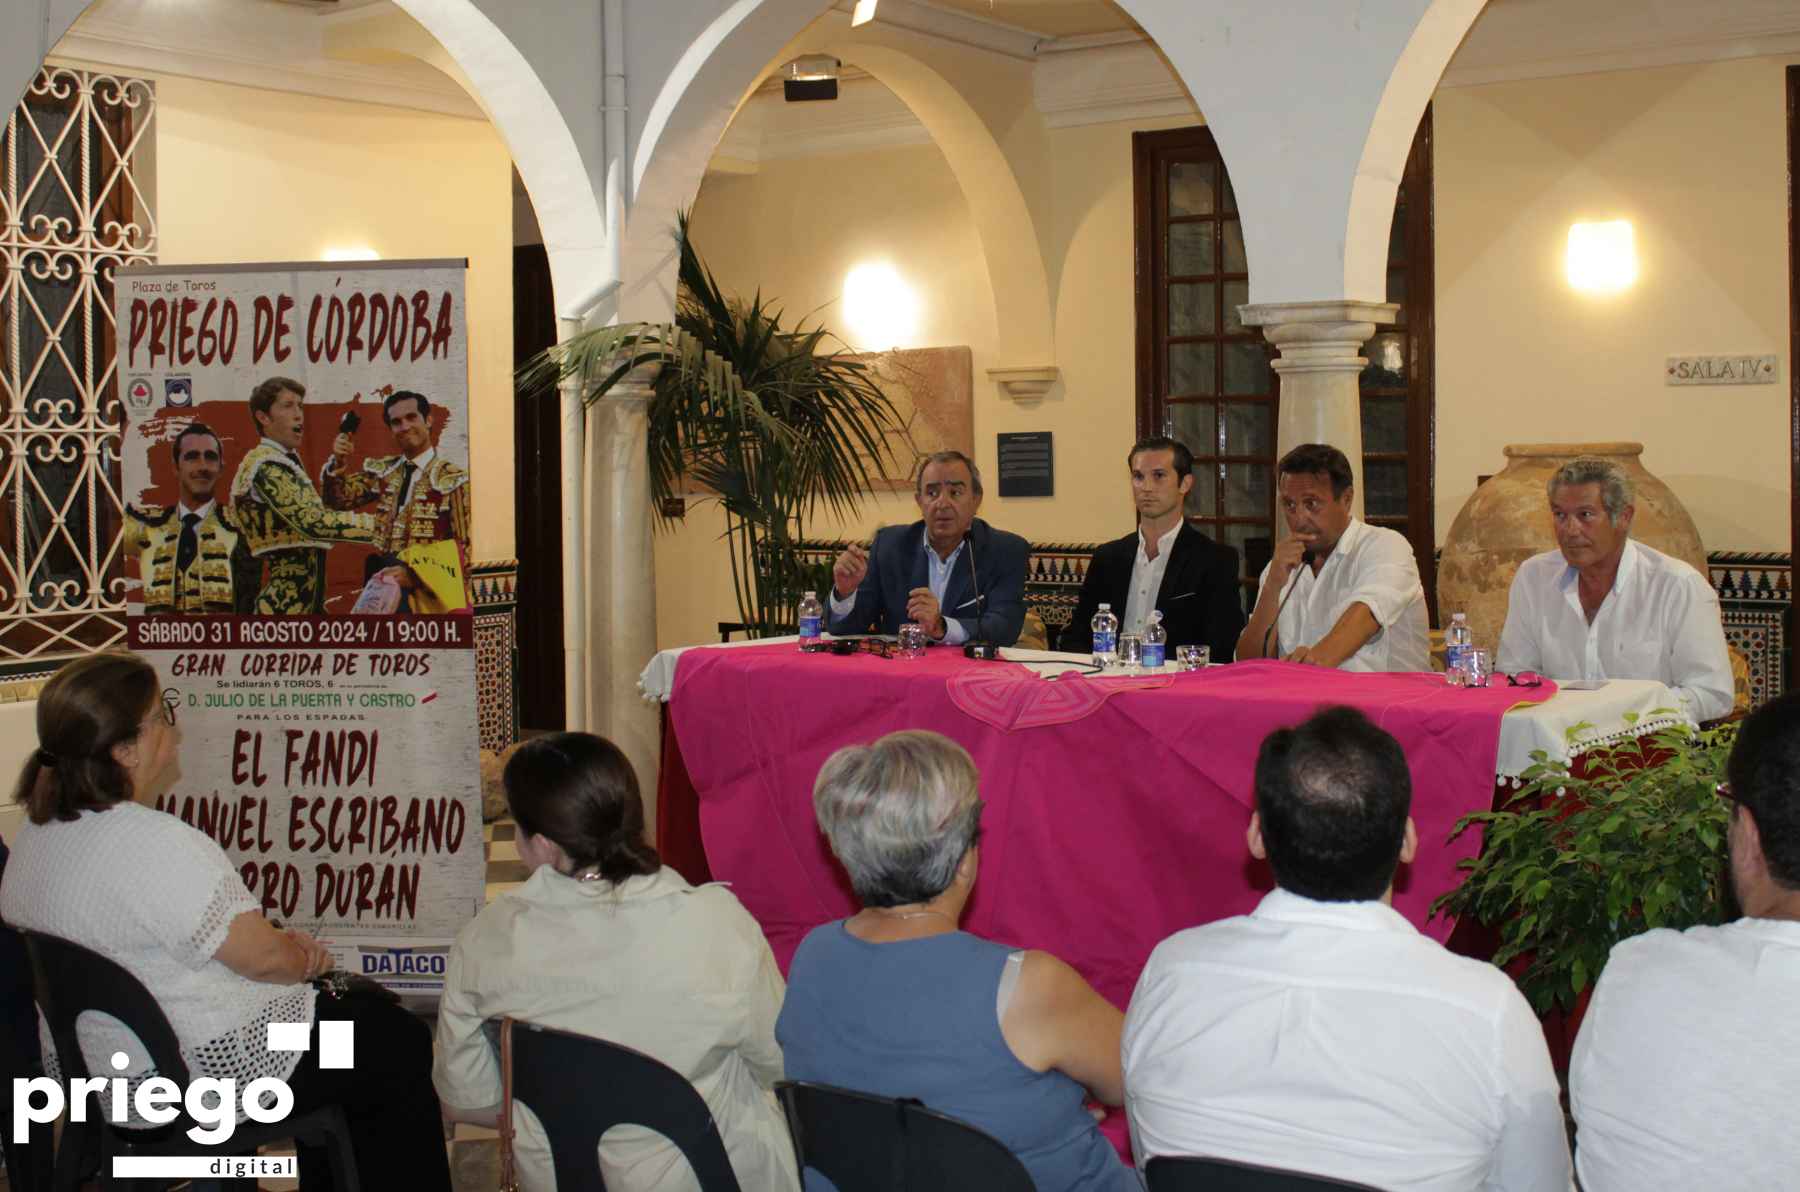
(865, 645)
(1525, 679)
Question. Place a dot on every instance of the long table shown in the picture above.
(1116, 808)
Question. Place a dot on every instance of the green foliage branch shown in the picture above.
(1574, 863)
(773, 422)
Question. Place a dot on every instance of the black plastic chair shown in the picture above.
(70, 980)
(1169, 1173)
(865, 1143)
(580, 1087)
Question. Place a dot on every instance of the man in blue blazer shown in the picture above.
(1165, 564)
(957, 576)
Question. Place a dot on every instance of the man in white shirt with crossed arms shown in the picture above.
(1601, 606)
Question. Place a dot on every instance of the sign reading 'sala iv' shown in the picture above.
(1722, 370)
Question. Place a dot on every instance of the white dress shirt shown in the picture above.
(1370, 565)
(1660, 621)
(182, 509)
(1146, 580)
(937, 578)
(1685, 1070)
(1332, 1038)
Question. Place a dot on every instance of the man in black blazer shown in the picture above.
(1198, 592)
(954, 574)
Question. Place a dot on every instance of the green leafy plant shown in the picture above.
(768, 420)
(1574, 863)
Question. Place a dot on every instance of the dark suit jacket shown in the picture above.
(1200, 599)
(897, 566)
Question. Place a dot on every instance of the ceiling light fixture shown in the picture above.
(865, 12)
(810, 77)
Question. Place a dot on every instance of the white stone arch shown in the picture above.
(1002, 219)
(570, 214)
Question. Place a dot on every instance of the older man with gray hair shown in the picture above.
(1604, 607)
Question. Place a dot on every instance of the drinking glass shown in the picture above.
(1131, 652)
(1478, 671)
(912, 640)
(1190, 658)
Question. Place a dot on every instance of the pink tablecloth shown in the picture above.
(1103, 835)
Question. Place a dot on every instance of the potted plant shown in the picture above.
(1630, 840)
(768, 420)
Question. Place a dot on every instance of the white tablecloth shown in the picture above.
(1597, 717)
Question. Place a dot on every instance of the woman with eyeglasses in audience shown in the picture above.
(99, 866)
(603, 940)
(897, 1000)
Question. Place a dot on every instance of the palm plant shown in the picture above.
(764, 418)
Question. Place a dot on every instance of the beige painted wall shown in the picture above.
(252, 175)
(796, 228)
(1696, 158)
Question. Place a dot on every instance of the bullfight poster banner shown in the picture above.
(295, 467)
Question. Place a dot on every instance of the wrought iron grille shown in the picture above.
(73, 211)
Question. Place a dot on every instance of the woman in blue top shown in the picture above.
(896, 1000)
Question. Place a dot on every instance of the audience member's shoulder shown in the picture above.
(1705, 955)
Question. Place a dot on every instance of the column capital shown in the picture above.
(1318, 336)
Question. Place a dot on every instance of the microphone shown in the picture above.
(978, 646)
(1306, 558)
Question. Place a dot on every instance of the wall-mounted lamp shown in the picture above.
(881, 310)
(352, 252)
(865, 12)
(810, 77)
(1602, 256)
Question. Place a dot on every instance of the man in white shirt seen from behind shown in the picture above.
(1602, 606)
(1338, 591)
(1322, 1033)
(1688, 1060)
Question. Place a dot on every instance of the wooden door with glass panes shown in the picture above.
(1203, 377)
(1206, 379)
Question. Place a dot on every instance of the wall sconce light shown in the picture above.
(352, 252)
(1602, 256)
(865, 12)
(881, 310)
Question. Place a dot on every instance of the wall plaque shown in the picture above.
(1027, 466)
(1722, 370)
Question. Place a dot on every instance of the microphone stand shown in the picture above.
(979, 646)
(1306, 557)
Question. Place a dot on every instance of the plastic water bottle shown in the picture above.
(1458, 641)
(1156, 643)
(812, 623)
(1106, 637)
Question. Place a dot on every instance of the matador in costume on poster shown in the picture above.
(419, 496)
(191, 558)
(287, 526)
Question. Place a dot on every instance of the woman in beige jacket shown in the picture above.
(605, 941)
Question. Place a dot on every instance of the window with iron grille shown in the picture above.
(74, 209)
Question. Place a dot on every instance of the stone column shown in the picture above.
(621, 578)
(1320, 361)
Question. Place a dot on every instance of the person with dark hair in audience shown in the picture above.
(1322, 1033)
(898, 1001)
(98, 866)
(604, 940)
(1689, 1055)
(1338, 591)
(1165, 565)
